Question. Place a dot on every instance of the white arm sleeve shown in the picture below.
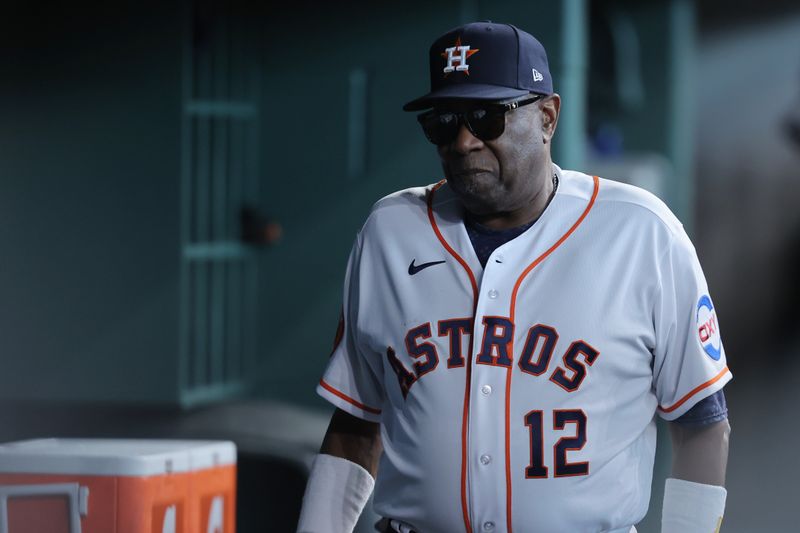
(692, 507)
(336, 493)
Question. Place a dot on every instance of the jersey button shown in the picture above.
(492, 294)
(488, 526)
(486, 390)
(486, 459)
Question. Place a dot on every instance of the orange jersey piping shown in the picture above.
(348, 399)
(509, 372)
(694, 391)
(468, 362)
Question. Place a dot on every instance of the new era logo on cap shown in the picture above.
(485, 61)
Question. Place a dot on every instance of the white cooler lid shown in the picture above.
(113, 457)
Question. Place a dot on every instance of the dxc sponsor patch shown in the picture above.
(708, 328)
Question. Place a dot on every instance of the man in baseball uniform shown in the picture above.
(510, 333)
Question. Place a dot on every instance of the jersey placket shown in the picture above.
(486, 446)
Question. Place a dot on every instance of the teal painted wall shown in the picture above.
(89, 160)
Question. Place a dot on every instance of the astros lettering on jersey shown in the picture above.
(521, 396)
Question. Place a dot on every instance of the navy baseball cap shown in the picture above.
(485, 61)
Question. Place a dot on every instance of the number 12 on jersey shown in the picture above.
(561, 417)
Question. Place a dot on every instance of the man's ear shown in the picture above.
(550, 108)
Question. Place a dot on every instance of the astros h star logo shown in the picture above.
(457, 58)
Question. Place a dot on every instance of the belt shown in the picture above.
(387, 525)
(390, 525)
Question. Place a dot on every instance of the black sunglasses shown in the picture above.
(485, 121)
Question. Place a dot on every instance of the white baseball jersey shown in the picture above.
(521, 396)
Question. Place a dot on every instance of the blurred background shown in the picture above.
(180, 184)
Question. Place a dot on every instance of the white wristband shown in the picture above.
(692, 507)
(336, 493)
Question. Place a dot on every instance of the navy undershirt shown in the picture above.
(486, 240)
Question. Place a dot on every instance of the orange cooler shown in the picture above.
(117, 486)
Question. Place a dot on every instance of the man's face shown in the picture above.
(505, 174)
